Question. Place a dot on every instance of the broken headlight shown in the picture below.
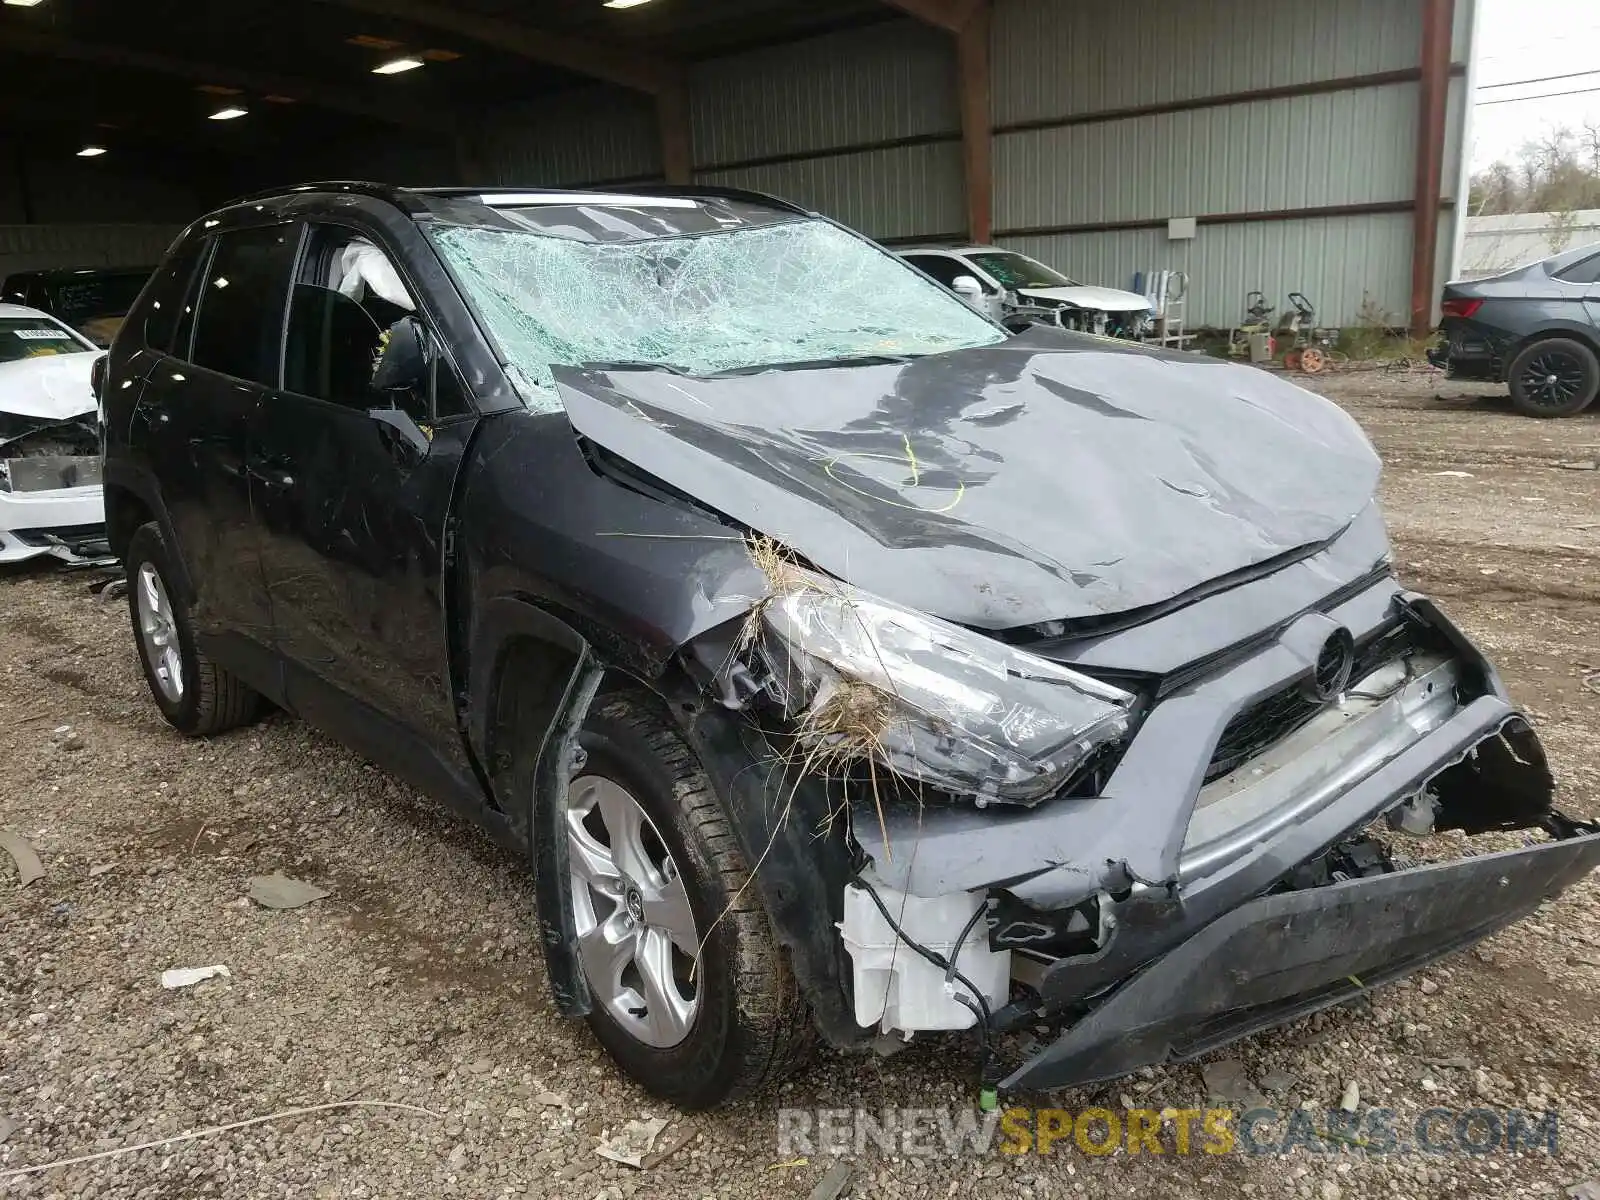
(933, 701)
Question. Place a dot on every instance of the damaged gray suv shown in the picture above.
(843, 665)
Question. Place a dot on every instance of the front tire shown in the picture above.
(657, 874)
(197, 697)
(1556, 377)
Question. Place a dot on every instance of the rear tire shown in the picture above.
(750, 1025)
(197, 697)
(1556, 377)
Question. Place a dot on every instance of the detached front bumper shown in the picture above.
(1227, 878)
(1282, 956)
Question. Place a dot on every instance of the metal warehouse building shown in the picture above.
(1316, 147)
(1300, 137)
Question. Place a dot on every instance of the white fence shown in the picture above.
(1496, 244)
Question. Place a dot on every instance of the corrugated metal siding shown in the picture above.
(1462, 32)
(888, 81)
(1454, 130)
(1352, 268)
(906, 192)
(1350, 147)
(1055, 58)
(32, 247)
(583, 137)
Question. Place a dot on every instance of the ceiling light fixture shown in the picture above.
(396, 66)
(24, 3)
(228, 114)
(91, 152)
(624, 3)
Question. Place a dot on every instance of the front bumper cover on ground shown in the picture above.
(1282, 956)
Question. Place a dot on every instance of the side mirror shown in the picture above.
(97, 376)
(969, 289)
(401, 433)
(402, 357)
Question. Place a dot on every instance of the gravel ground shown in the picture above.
(416, 981)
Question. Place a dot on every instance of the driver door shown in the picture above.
(353, 490)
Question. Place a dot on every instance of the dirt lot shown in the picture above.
(416, 980)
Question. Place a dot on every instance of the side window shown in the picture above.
(239, 322)
(941, 266)
(1587, 271)
(170, 299)
(345, 298)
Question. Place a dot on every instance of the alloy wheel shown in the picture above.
(636, 931)
(1552, 379)
(158, 633)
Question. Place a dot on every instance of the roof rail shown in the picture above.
(358, 187)
(401, 195)
(691, 191)
(683, 191)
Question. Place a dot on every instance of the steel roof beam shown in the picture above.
(320, 95)
(662, 78)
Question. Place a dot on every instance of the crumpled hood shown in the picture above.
(49, 387)
(1102, 299)
(1053, 475)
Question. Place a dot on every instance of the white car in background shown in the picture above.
(1010, 284)
(50, 496)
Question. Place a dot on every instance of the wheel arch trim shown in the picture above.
(529, 783)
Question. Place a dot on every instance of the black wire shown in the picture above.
(955, 953)
(1540, 96)
(981, 1010)
(1484, 87)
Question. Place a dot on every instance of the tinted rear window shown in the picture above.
(239, 326)
(170, 295)
(1587, 271)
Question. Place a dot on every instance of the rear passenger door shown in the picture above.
(190, 427)
(353, 488)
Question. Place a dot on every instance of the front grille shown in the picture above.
(1259, 726)
(1270, 720)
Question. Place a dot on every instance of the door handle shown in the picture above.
(148, 416)
(274, 479)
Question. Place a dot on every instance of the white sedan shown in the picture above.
(1002, 282)
(50, 496)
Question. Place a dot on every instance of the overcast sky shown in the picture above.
(1530, 39)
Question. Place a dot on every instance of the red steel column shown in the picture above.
(672, 115)
(1438, 18)
(972, 75)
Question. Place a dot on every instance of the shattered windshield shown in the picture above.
(790, 292)
(1015, 270)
